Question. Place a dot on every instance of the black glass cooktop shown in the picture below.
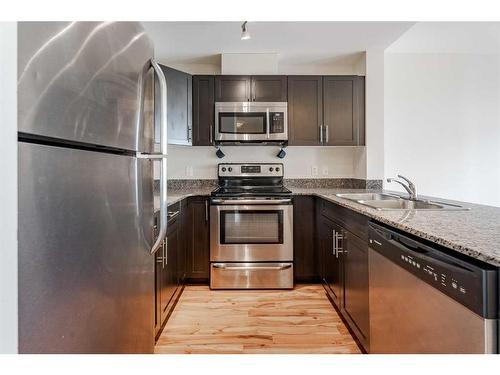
(243, 191)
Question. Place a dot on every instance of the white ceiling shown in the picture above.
(449, 37)
(296, 43)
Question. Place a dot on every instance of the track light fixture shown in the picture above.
(244, 32)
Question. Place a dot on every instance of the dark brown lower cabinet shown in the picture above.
(355, 301)
(343, 266)
(304, 239)
(332, 277)
(198, 240)
(168, 284)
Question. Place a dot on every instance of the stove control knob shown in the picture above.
(230, 169)
(271, 169)
(277, 169)
(223, 169)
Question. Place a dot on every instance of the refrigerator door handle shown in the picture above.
(162, 156)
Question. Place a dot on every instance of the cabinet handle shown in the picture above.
(335, 244)
(321, 134)
(166, 253)
(163, 254)
(326, 133)
(206, 211)
(340, 249)
(172, 214)
(211, 135)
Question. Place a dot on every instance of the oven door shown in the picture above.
(251, 233)
(250, 122)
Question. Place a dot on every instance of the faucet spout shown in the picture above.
(409, 186)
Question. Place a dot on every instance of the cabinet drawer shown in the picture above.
(353, 222)
(174, 215)
(251, 276)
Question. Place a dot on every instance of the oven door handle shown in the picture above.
(238, 268)
(251, 201)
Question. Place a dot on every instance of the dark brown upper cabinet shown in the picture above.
(343, 111)
(250, 88)
(269, 89)
(305, 110)
(203, 110)
(232, 88)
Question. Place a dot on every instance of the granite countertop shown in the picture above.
(475, 232)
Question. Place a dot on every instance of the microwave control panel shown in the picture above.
(277, 120)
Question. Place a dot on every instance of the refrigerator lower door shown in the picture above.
(86, 277)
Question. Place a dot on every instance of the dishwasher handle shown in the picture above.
(418, 250)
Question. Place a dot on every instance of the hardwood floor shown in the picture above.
(262, 322)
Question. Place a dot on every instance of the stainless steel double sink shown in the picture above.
(386, 202)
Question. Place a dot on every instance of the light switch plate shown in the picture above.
(314, 170)
(325, 170)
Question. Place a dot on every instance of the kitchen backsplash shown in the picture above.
(300, 162)
(344, 183)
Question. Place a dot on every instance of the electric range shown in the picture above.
(251, 228)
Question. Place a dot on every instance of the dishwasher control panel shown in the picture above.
(469, 284)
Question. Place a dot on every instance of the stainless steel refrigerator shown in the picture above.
(86, 129)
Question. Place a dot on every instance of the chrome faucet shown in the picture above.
(410, 188)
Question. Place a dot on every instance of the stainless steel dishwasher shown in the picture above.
(424, 300)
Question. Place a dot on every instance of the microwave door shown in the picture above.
(242, 126)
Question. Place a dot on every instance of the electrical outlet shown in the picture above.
(314, 170)
(325, 170)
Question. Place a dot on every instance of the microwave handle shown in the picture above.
(268, 123)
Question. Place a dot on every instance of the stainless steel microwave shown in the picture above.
(251, 122)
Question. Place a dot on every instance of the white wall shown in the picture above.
(374, 114)
(331, 162)
(442, 123)
(8, 188)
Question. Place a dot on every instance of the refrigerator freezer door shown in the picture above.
(86, 82)
(86, 277)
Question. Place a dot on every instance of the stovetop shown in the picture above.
(251, 180)
(252, 191)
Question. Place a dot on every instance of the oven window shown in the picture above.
(251, 227)
(242, 123)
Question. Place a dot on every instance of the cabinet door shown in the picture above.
(178, 103)
(356, 282)
(332, 261)
(169, 271)
(182, 247)
(304, 244)
(203, 110)
(343, 110)
(232, 88)
(305, 114)
(269, 88)
(198, 256)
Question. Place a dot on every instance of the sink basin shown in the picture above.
(367, 196)
(401, 204)
(406, 204)
(386, 202)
